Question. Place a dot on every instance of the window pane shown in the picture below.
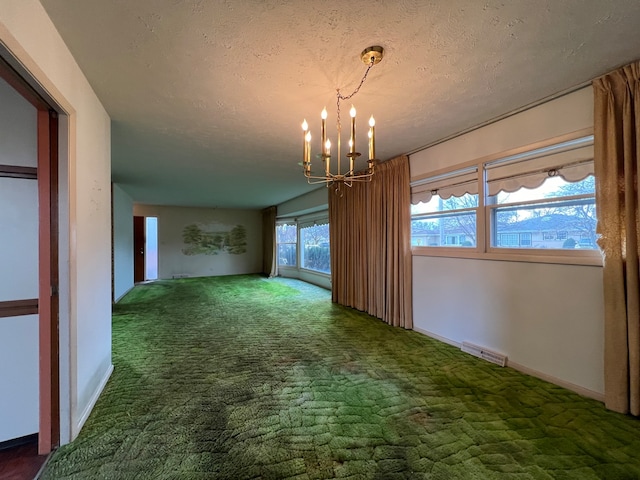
(561, 224)
(315, 252)
(455, 230)
(553, 187)
(286, 238)
(287, 254)
(286, 233)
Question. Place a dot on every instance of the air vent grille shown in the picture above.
(486, 354)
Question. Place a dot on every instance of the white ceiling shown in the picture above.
(206, 97)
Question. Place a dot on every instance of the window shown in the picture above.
(525, 239)
(514, 240)
(549, 189)
(287, 241)
(523, 204)
(444, 210)
(306, 238)
(314, 242)
(509, 239)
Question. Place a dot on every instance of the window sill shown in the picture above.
(571, 257)
(287, 267)
(316, 272)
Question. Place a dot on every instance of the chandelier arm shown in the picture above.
(360, 178)
(317, 182)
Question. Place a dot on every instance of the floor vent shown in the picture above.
(485, 354)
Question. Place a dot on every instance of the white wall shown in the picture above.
(547, 318)
(122, 242)
(566, 114)
(18, 129)
(19, 376)
(171, 223)
(544, 317)
(310, 202)
(85, 322)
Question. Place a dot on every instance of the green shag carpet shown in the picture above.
(243, 378)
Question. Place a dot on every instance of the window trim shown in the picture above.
(484, 249)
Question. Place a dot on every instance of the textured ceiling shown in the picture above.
(206, 97)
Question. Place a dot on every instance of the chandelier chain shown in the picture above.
(341, 97)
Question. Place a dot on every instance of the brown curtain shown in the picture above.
(370, 228)
(617, 161)
(269, 263)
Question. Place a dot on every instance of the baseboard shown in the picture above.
(92, 401)
(585, 392)
(437, 337)
(16, 442)
(121, 296)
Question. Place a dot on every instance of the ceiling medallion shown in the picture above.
(370, 56)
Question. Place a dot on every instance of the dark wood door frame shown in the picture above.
(47, 304)
(49, 435)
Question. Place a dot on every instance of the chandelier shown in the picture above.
(370, 56)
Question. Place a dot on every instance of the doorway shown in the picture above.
(29, 339)
(145, 248)
(151, 248)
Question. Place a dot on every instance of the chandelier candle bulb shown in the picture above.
(351, 149)
(305, 127)
(327, 147)
(308, 150)
(323, 129)
(352, 143)
(372, 138)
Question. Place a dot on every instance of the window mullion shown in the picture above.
(482, 228)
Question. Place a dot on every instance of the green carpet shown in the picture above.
(243, 377)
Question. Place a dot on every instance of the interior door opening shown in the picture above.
(151, 248)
